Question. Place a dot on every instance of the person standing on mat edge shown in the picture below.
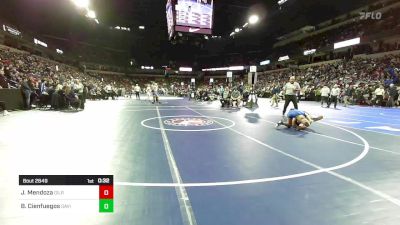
(348, 93)
(325, 92)
(290, 91)
(392, 91)
(334, 95)
(275, 96)
(379, 93)
(137, 91)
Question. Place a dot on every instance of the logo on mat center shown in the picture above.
(188, 122)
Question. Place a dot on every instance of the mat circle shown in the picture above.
(188, 122)
(180, 119)
(318, 169)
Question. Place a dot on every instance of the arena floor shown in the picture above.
(188, 163)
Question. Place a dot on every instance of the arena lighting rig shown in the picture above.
(347, 43)
(84, 4)
(253, 19)
(281, 2)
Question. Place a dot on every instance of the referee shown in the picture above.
(290, 89)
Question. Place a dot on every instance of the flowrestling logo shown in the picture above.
(370, 15)
(188, 122)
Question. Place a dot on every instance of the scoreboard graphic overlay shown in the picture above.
(66, 193)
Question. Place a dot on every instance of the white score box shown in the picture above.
(59, 206)
(59, 192)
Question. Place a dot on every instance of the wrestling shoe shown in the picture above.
(278, 124)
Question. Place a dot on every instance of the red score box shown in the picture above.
(106, 191)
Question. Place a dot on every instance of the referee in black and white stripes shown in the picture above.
(290, 90)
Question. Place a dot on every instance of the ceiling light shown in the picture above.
(185, 69)
(310, 51)
(283, 58)
(91, 14)
(280, 2)
(266, 62)
(81, 3)
(237, 30)
(254, 19)
(236, 68)
(142, 27)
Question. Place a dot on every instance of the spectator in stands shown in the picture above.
(3, 80)
(72, 99)
(109, 91)
(26, 88)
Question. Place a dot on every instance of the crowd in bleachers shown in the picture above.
(359, 79)
(46, 83)
(371, 82)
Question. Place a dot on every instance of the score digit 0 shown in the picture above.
(106, 192)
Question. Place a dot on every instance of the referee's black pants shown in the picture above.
(379, 100)
(325, 99)
(333, 99)
(288, 99)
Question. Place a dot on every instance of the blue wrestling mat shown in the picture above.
(188, 163)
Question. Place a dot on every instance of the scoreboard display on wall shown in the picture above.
(190, 16)
(170, 18)
(194, 13)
